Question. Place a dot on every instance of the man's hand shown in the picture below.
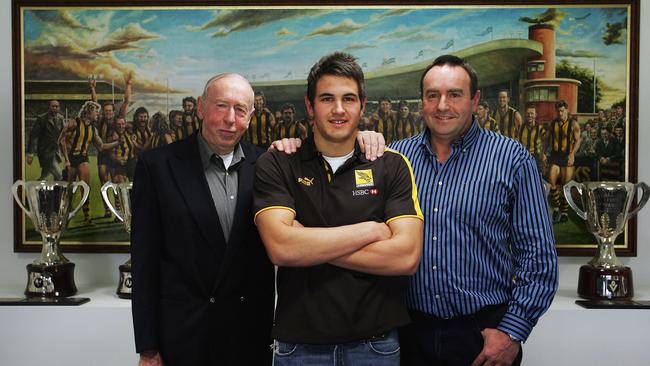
(372, 144)
(29, 158)
(150, 359)
(288, 146)
(498, 349)
(92, 83)
(571, 160)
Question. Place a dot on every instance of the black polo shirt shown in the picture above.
(325, 303)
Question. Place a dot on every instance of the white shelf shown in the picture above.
(100, 333)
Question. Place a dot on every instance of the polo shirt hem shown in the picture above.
(337, 339)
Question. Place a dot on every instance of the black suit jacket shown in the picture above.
(197, 299)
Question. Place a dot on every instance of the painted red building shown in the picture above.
(541, 86)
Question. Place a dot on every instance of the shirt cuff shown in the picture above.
(518, 327)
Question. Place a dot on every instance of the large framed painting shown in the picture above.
(147, 61)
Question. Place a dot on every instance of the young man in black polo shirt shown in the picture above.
(342, 229)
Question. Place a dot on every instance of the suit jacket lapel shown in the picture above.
(188, 173)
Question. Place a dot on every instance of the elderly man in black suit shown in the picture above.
(203, 287)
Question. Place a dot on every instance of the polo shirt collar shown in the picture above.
(308, 150)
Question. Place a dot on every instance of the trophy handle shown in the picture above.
(644, 198)
(105, 188)
(83, 198)
(569, 198)
(19, 201)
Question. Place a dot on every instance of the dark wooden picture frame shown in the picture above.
(273, 43)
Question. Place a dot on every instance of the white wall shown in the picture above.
(102, 268)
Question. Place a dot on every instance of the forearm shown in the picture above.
(107, 146)
(294, 246)
(534, 256)
(399, 255)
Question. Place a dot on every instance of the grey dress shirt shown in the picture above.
(222, 182)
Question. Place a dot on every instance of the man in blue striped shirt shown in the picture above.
(489, 266)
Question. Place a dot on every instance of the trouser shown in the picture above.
(433, 341)
(377, 351)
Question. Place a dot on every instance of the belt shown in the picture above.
(488, 316)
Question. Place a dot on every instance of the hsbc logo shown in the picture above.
(365, 192)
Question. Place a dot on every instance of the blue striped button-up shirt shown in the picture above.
(488, 237)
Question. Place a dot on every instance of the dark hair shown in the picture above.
(453, 61)
(288, 106)
(139, 111)
(336, 64)
(403, 103)
(384, 98)
(159, 123)
(260, 94)
(173, 113)
(484, 104)
(560, 103)
(189, 99)
(531, 105)
(108, 103)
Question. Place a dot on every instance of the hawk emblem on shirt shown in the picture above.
(363, 178)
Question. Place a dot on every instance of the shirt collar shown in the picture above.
(308, 150)
(207, 153)
(465, 141)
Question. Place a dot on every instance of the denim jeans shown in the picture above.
(382, 351)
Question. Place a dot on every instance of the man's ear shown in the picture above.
(199, 107)
(475, 100)
(363, 106)
(310, 108)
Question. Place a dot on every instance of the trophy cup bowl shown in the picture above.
(606, 209)
(52, 274)
(122, 194)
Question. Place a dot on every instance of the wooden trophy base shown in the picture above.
(124, 287)
(50, 281)
(605, 283)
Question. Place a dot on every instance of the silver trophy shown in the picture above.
(122, 194)
(51, 275)
(606, 209)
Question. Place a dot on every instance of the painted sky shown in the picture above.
(182, 48)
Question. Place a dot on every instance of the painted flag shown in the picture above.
(420, 54)
(388, 61)
(449, 44)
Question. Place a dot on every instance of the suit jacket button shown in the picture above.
(212, 300)
(242, 299)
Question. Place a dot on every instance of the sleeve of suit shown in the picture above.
(146, 236)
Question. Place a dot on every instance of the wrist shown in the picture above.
(513, 338)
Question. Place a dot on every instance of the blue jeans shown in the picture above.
(382, 351)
